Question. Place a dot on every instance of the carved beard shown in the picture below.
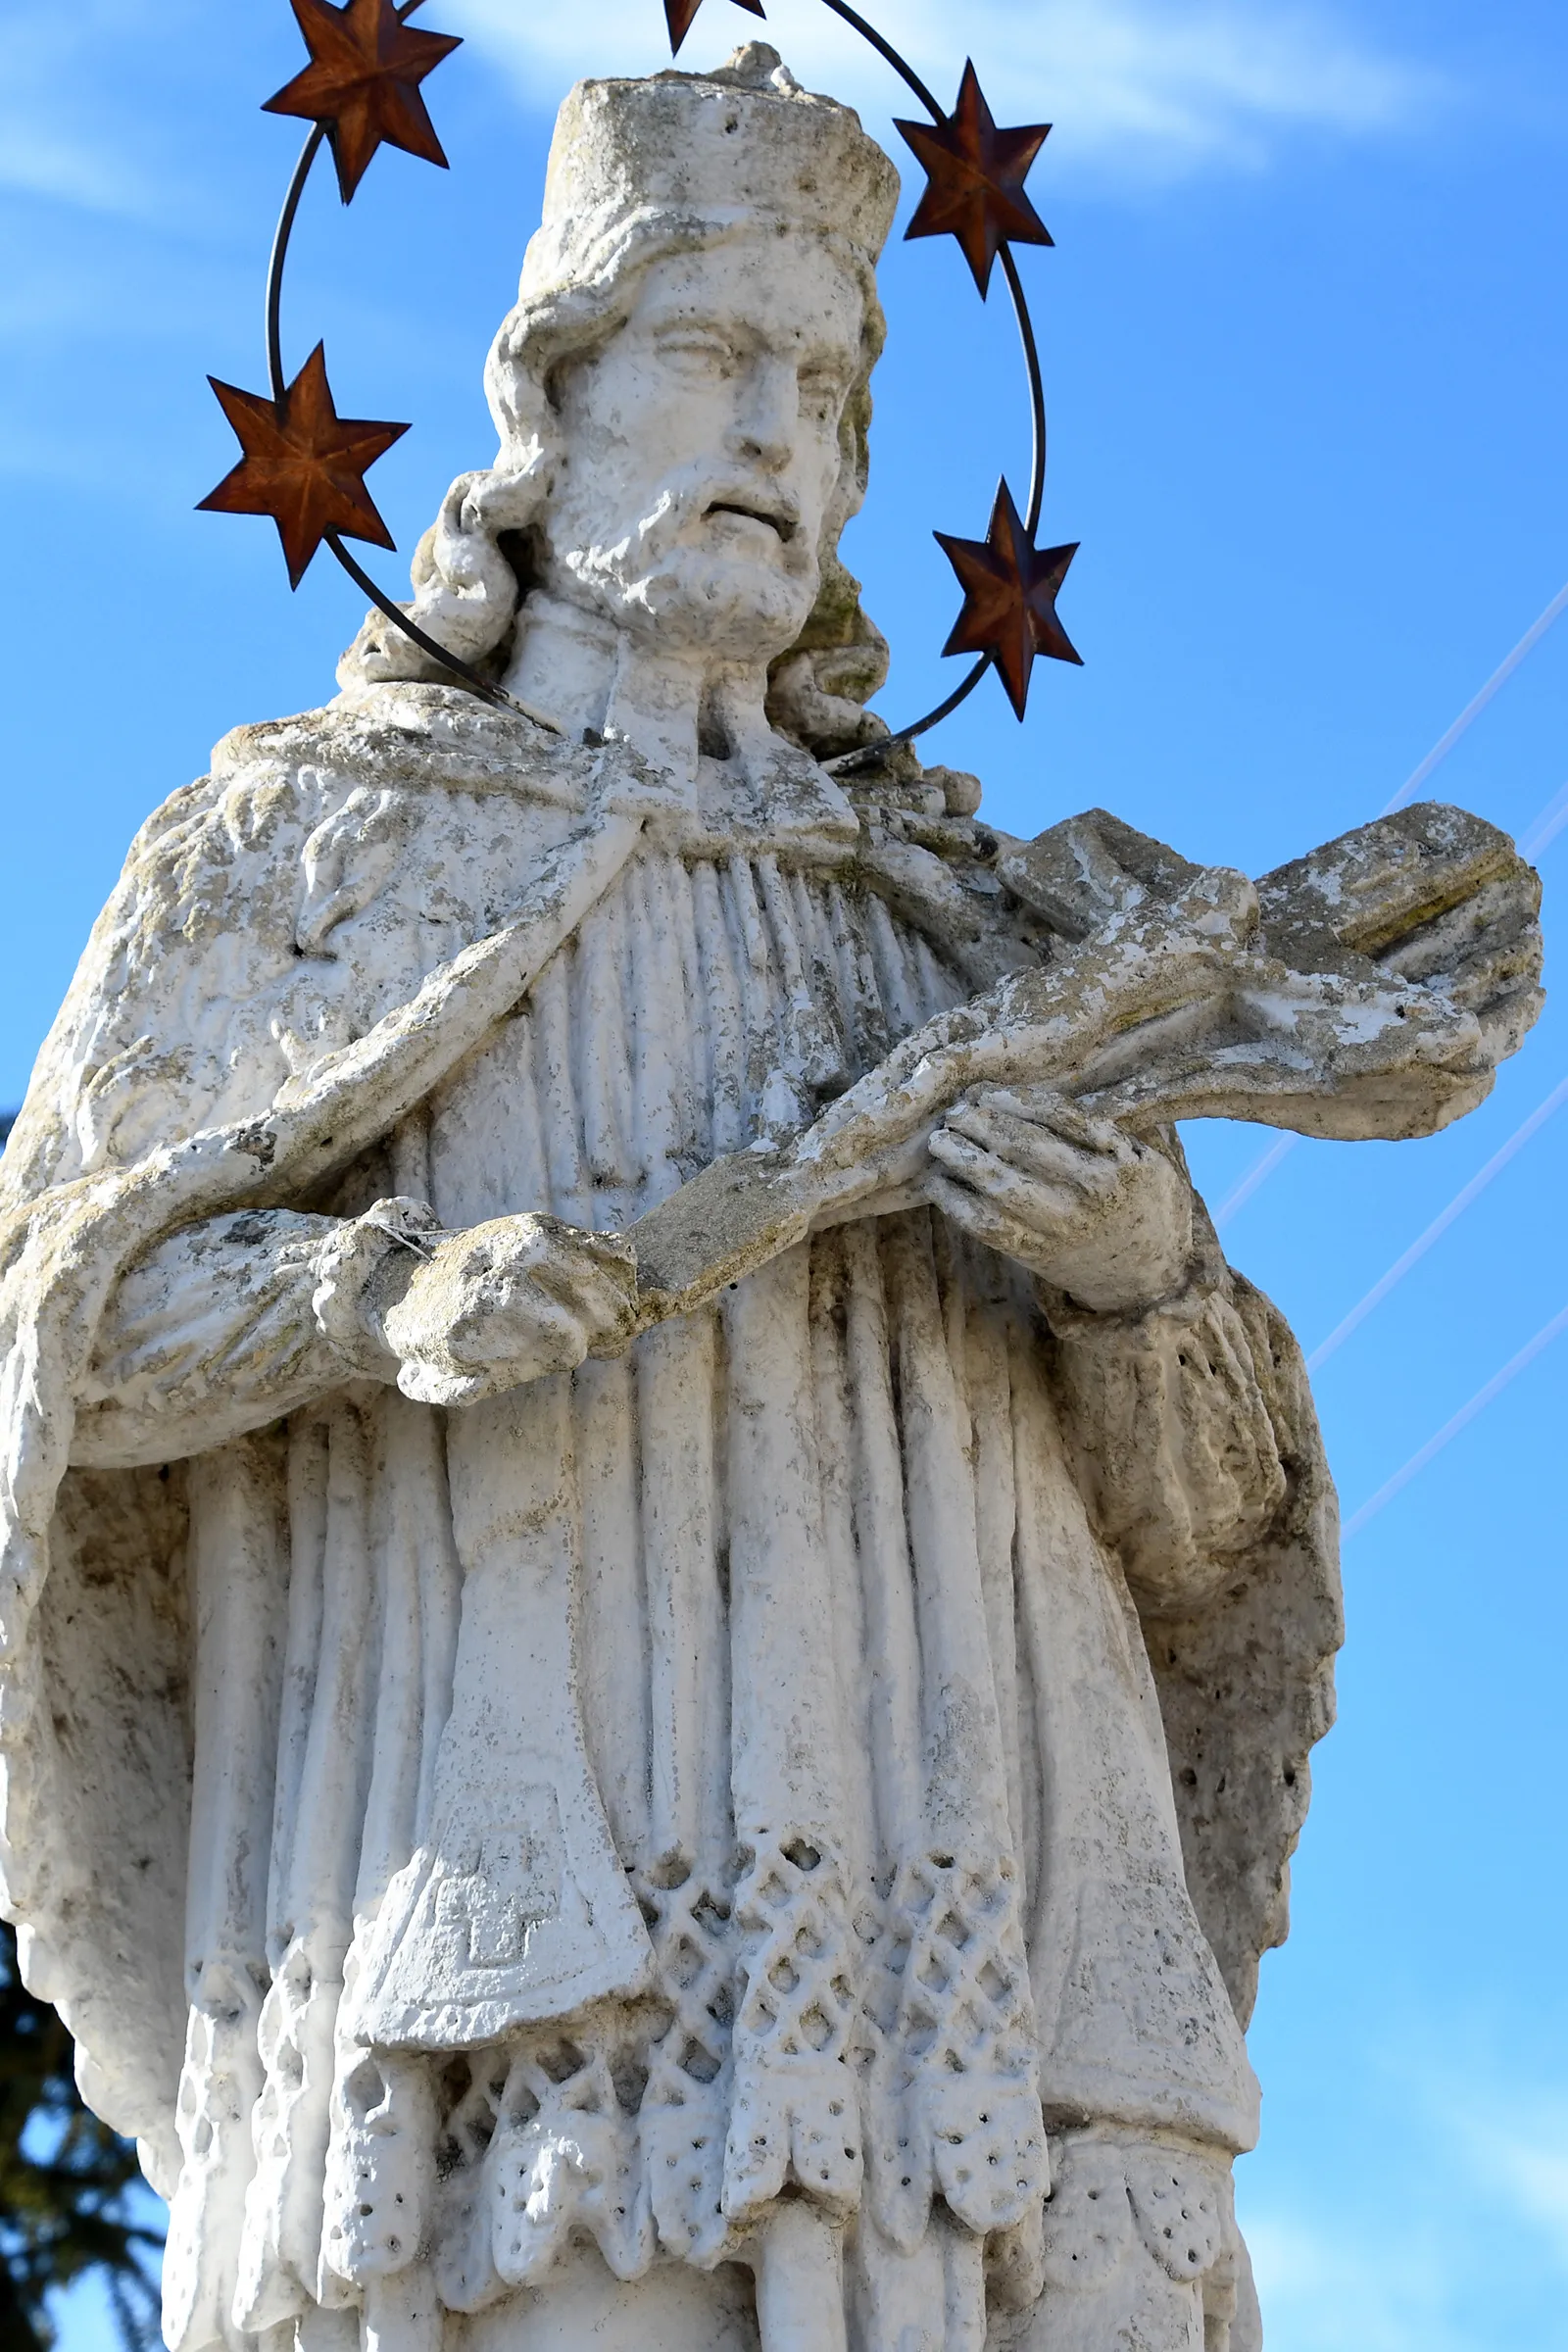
(721, 583)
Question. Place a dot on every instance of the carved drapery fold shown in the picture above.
(787, 1540)
(838, 1938)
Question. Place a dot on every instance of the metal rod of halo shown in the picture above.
(278, 382)
(871, 754)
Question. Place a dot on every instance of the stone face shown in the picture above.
(662, 1610)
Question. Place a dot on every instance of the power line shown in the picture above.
(1472, 711)
(1546, 827)
(1439, 1225)
(1462, 1420)
(1259, 1173)
(1539, 835)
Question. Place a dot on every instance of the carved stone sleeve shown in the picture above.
(1170, 1425)
(1198, 1446)
(1246, 1679)
(228, 1325)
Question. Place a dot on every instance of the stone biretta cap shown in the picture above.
(705, 153)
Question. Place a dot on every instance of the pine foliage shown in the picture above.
(71, 2195)
(71, 2190)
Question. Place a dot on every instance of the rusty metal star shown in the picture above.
(681, 16)
(975, 175)
(1010, 587)
(304, 465)
(363, 83)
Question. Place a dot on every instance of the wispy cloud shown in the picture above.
(34, 162)
(1470, 2190)
(66, 132)
(1139, 89)
(1524, 2150)
(1324, 2289)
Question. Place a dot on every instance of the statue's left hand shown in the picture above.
(504, 1303)
(1075, 1199)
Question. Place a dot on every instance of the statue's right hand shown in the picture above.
(506, 1302)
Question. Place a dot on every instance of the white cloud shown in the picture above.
(64, 130)
(1325, 2289)
(1138, 88)
(1507, 2136)
(1523, 2154)
(36, 163)
(1471, 2186)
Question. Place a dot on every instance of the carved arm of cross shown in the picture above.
(1368, 991)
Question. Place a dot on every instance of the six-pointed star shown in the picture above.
(304, 465)
(1009, 591)
(681, 16)
(363, 83)
(976, 173)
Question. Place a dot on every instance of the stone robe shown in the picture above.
(850, 1742)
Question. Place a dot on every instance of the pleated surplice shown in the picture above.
(732, 1767)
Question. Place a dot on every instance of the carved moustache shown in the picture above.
(686, 508)
(643, 560)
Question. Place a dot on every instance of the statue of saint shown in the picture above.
(573, 1803)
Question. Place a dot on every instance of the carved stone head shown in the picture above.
(698, 317)
(682, 388)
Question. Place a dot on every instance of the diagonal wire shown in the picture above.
(1462, 1420)
(1259, 1173)
(1472, 711)
(1546, 827)
(1439, 1225)
(1539, 836)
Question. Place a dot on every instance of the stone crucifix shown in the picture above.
(662, 1608)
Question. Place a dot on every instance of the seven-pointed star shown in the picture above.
(304, 465)
(976, 173)
(681, 16)
(363, 83)
(1009, 589)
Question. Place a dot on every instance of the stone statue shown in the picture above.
(664, 1610)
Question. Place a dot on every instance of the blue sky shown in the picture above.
(1307, 363)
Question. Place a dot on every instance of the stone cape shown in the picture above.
(787, 1661)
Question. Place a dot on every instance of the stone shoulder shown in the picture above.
(275, 909)
(272, 910)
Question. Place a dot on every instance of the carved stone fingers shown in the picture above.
(507, 1302)
(1080, 1203)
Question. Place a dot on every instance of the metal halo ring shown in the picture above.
(865, 755)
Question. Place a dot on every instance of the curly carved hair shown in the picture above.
(473, 566)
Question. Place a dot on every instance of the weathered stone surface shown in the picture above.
(662, 1610)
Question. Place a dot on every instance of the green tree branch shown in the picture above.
(68, 2186)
